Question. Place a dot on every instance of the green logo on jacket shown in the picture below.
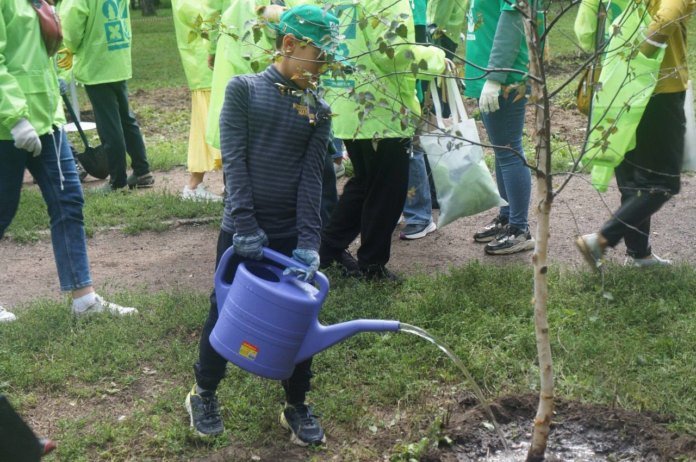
(116, 24)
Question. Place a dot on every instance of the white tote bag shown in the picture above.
(689, 164)
(463, 182)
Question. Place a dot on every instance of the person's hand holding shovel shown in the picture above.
(64, 59)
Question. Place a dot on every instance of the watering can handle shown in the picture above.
(287, 262)
(220, 282)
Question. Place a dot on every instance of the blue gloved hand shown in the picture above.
(308, 257)
(250, 245)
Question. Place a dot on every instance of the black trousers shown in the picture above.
(210, 368)
(118, 130)
(372, 200)
(649, 174)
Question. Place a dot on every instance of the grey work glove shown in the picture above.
(308, 257)
(250, 245)
(26, 138)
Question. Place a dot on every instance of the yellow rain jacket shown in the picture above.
(28, 81)
(98, 32)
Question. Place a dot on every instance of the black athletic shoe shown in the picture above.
(512, 241)
(143, 181)
(491, 230)
(343, 259)
(303, 425)
(379, 273)
(204, 411)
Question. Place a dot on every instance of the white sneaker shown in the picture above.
(100, 306)
(199, 194)
(6, 316)
(651, 260)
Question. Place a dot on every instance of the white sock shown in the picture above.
(80, 304)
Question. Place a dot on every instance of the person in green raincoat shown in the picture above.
(649, 174)
(193, 49)
(97, 37)
(375, 104)
(235, 53)
(31, 138)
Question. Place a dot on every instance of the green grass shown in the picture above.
(633, 348)
(134, 212)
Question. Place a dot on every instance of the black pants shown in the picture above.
(372, 200)
(210, 368)
(118, 130)
(649, 174)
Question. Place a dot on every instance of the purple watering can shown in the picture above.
(268, 322)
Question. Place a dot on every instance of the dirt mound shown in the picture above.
(580, 432)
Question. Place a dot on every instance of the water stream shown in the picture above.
(477, 390)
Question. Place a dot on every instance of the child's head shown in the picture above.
(307, 39)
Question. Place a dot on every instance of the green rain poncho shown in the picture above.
(625, 85)
(28, 82)
(382, 88)
(237, 54)
(99, 34)
(192, 47)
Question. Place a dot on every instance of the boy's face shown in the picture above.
(308, 61)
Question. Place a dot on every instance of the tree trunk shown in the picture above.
(148, 7)
(542, 139)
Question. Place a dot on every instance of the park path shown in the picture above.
(182, 258)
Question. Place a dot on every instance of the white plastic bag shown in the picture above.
(689, 164)
(463, 182)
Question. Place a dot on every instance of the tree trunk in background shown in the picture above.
(542, 140)
(148, 7)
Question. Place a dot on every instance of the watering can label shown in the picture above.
(248, 351)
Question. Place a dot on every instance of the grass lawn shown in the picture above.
(115, 388)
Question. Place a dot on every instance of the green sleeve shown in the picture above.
(506, 45)
(585, 26)
(213, 12)
(13, 104)
(73, 17)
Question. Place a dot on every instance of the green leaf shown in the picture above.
(192, 36)
(423, 64)
(402, 31)
(390, 52)
(257, 34)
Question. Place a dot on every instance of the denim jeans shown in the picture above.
(418, 209)
(63, 199)
(514, 179)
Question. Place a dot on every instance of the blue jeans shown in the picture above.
(64, 202)
(514, 179)
(418, 209)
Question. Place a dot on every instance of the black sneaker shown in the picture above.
(491, 230)
(379, 273)
(143, 181)
(343, 259)
(303, 425)
(512, 241)
(204, 411)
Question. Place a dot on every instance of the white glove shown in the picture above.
(489, 96)
(26, 138)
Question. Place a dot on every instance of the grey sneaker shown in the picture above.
(491, 230)
(512, 240)
(102, 306)
(204, 411)
(417, 231)
(6, 316)
(647, 262)
(143, 181)
(303, 425)
(589, 247)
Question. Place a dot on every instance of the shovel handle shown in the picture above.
(71, 111)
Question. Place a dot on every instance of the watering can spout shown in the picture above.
(320, 337)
